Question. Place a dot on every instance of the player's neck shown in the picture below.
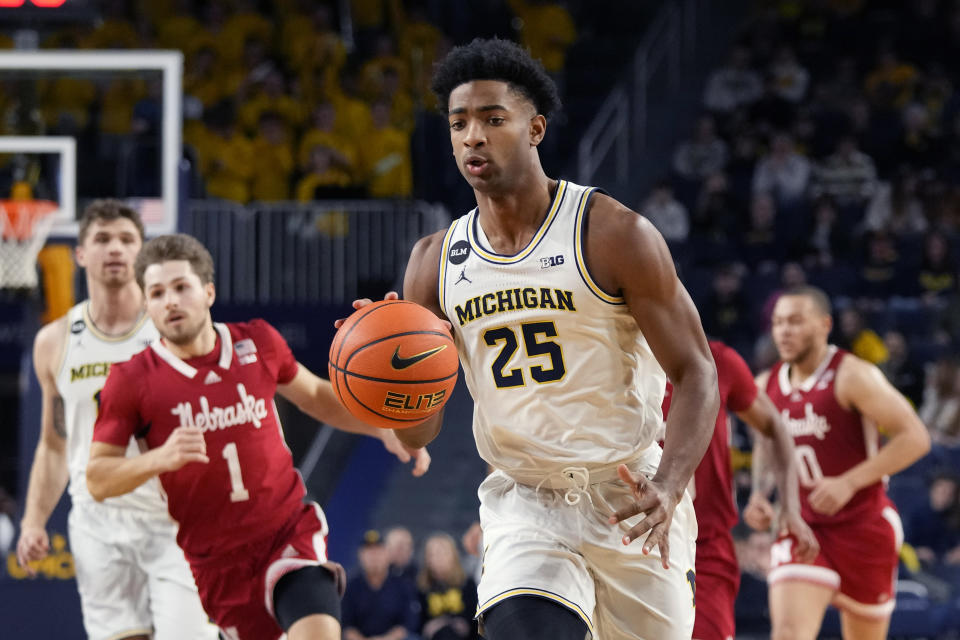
(805, 367)
(509, 218)
(115, 310)
(201, 345)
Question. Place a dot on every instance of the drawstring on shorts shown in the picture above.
(577, 480)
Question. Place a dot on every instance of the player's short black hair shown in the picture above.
(496, 59)
(820, 299)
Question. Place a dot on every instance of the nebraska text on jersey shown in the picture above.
(249, 409)
(810, 424)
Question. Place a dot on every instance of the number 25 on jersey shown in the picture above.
(534, 347)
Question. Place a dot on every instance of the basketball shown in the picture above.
(393, 364)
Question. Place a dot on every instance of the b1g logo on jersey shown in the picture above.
(78, 326)
(459, 252)
(551, 261)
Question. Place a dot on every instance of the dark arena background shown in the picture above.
(772, 143)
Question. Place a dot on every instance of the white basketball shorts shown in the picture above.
(132, 576)
(557, 543)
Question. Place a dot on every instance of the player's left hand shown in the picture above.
(657, 503)
(807, 547)
(831, 494)
(420, 457)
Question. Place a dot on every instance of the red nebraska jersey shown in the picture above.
(713, 480)
(250, 486)
(828, 438)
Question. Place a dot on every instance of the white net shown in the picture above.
(25, 228)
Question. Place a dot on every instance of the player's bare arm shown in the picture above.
(49, 474)
(759, 513)
(111, 473)
(862, 387)
(314, 396)
(762, 416)
(420, 286)
(626, 254)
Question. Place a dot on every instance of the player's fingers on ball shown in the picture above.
(392, 295)
(361, 303)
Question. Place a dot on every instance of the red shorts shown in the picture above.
(237, 590)
(858, 560)
(718, 578)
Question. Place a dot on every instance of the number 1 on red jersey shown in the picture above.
(237, 491)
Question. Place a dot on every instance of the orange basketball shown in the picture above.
(393, 364)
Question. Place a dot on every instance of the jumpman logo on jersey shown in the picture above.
(463, 276)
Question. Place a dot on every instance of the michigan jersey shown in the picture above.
(559, 371)
(86, 360)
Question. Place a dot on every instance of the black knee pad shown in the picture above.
(303, 593)
(532, 618)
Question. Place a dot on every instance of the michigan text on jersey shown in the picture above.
(496, 302)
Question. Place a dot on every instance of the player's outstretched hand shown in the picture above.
(657, 503)
(758, 513)
(807, 547)
(183, 446)
(362, 302)
(32, 545)
(831, 494)
(420, 457)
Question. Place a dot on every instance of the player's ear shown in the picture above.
(211, 292)
(538, 127)
(80, 255)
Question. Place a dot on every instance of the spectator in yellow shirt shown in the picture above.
(179, 28)
(547, 31)
(353, 114)
(272, 159)
(205, 80)
(243, 23)
(310, 42)
(325, 179)
(401, 105)
(323, 133)
(272, 96)
(385, 152)
(892, 81)
(385, 57)
(226, 156)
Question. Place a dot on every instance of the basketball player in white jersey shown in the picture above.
(133, 579)
(566, 310)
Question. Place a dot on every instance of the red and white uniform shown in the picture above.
(243, 523)
(859, 545)
(718, 574)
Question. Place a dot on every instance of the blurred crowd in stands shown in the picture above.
(280, 104)
(828, 152)
(397, 594)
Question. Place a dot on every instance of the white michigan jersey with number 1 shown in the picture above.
(84, 366)
(559, 371)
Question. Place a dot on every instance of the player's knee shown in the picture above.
(790, 630)
(306, 592)
(532, 618)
